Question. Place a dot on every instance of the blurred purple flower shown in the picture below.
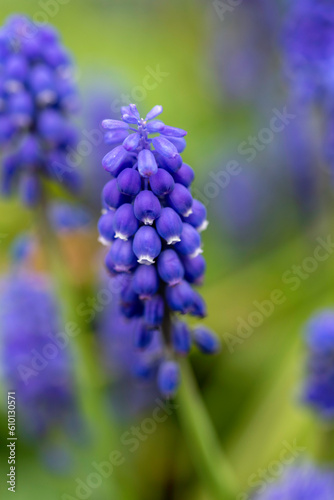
(37, 96)
(302, 482)
(36, 359)
(309, 48)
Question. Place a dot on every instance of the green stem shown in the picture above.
(209, 460)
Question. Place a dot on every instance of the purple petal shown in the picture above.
(129, 118)
(134, 111)
(114, 159)
(173, 131)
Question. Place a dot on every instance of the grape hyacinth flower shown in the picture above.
(153, 225)
(318, 390)
(309, 57)
(36, 360)
(302, 482)
(37, 97)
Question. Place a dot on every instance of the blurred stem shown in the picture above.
(208, 458)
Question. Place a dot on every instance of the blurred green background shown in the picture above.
(258, 231)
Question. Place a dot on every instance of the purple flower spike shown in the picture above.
(112, 197)
(181, 200)
(153, 199)
(106, 228)
(156, 111)
(198, 307)
(154, 311)
(164, 147)
(125, 222)
(146, 245)
(181, 338)
(198, 216)
(206, 340)
(169, 226)
(190, 243)
(134, 111)
(129, 182)
(147, 207)
(147, 165)
(37, 96)
(162, 182)
(145, 282)
(121, 258)
(113, 161)
(170, 268)
(185, 175)
(142, 335)
(168, 378)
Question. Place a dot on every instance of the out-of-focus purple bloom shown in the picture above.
(36, 359)
(152, 230)
(69, 217)
(309, 58)
(302, 482)
(318, 392)
(244, 51)
(309, 47)
(37, 96)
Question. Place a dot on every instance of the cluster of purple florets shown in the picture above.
(153, 225)
(309, 45)
(35, 356)
(319, 383)
(37, 95)
(309, 54)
